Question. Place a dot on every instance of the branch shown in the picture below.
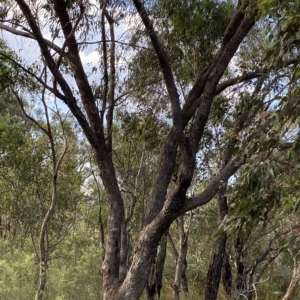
(58, 164)
(30, 36)
(238, 28)
(167, 73)
(214, 185)
(109, 41)
(71, 34)
(112, 85)
(105, 62)
(52, 90)
(25, 113)
(69, 98)
(270, 259)
(233, 81)
(84, 87)
(206, 85)
(251, 75)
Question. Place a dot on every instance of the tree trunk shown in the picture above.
(215, 267)
(291, 290)
(43, 265)
(181, 264)
(155, 283)
(219, 251)
(184, 284)
(241, 256)
(124, 252)
(294, 281)
(227, 275)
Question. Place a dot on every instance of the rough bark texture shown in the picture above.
(241, 256)
(227, 275)
(156, 278)
(215, 268)
(124, 252)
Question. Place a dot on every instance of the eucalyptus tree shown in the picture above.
(30, 197)
(94, 93)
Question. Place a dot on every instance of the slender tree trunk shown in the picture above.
(180, 282)
(155, 283)
(219, 251)
(227, 275)
(160, 264)
(43, 265)
(241, 256)
(43, 253)
(1, 227)
(294, 282)
(215, 267)
(43, 242)
(291, 289)
(184, 284)
(124, 252)
(101, 227)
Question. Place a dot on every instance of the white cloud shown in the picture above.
(90, 59)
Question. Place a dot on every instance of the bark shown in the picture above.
(155, 286)
(124, 252)
(1, 227)
(215, 268)
(219, 259)
(181, 265)
(241, 256)
(293, 283)
(184, 284)
(227, 275)
(101, 229)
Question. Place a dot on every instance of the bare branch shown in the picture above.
(214, 185)
(105, 62)
(31, 36)
(25, 113)
(52, 90)
(69, 98)
(251, 75)
(112, 76)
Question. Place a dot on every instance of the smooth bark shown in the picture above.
(181, 263)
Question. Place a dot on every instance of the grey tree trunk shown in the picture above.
(180, 282)
(294, 281)
(155, 282)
